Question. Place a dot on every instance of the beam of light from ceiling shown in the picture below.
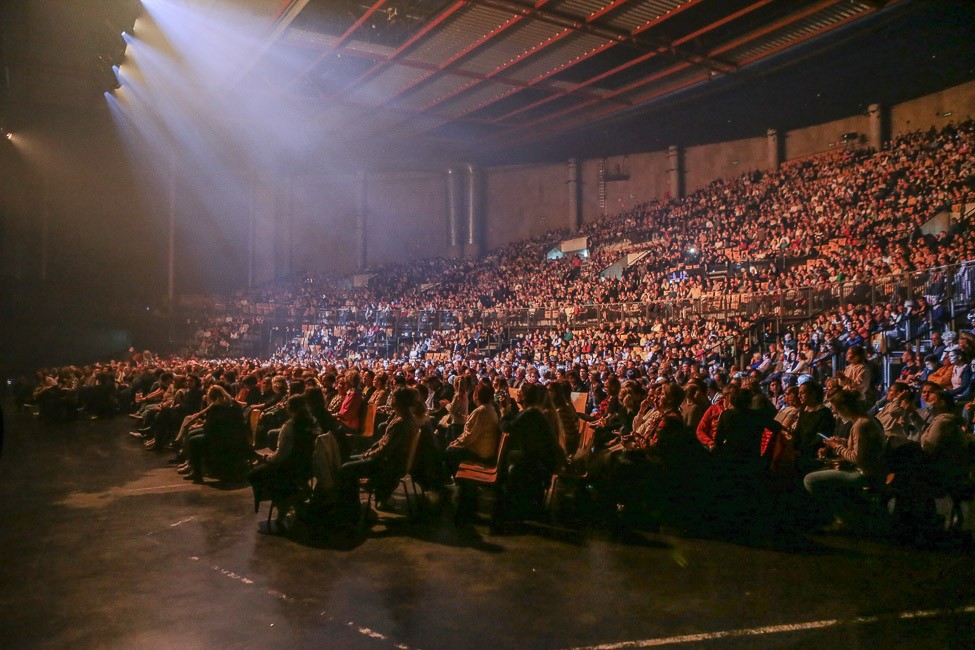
(182, 58)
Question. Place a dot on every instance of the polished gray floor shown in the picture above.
(105, 546)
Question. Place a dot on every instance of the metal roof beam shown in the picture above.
(649, 55)
(467, 50)
(337, 44)
(758, 33)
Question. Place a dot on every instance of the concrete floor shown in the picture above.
(105, 546)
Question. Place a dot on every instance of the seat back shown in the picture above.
(369, 421)
(483, 473)
(579, 401)
(255, 416)
(411, 454)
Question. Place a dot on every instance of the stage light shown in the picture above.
(9, 136)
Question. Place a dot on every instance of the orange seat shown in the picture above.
(486, 474)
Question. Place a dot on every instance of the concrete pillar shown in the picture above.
(252, 230)
(45, 223)
(674, 172)
(361, 208)
(291, 225)
(171, 269)
(575, 217)
(472, 247)
(455, 190)
(774, 149)
(876, 134)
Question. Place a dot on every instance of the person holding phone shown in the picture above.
(840, 491)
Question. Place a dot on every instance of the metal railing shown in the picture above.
(951, 288)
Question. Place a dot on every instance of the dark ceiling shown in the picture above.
(515, 81)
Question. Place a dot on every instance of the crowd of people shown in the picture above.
(684, 411)
(847, 216)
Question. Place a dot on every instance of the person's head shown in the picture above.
(403, 401)
(811, 393)
(353, 380)
(670, 397)
(856, 354)
(298, 407)
(315, 398)
(942, 402)
(531, 394)
(792, 396)
(848, 404)
(483, 393)
(928, 391)
(217, 394)
(279, 384)
(897, 391)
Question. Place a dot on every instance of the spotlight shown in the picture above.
(8, 135)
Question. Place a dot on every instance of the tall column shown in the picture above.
(472, 248)
(575, 220)
(674, 172)
(171, 261)
(774, 150)
(876, 135)
(252, 229)
(455, 190)
(290, 255)
(45, 222)
(361, 208)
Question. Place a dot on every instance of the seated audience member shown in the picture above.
(891, 411)
(534, 456)
(960, 387)
(917, 417)
(857, 375)
(282, 475)
(945, 445)
(788, 413)
(165, 426)
(221, 442)
(695, 405)
(350, 409)
(840, 491)
(814, 422)
(384, 463)
(560, 393)
(482, 432)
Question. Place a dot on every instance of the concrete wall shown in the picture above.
(406, 217)
(924, 112)
(524, 201)
(703, 164)
(821, 137)
(648, 177)
(323, 214)
(408, 212)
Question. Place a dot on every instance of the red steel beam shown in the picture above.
(467, 50)
(337, 44)
(444, 15)
(614, 4)
(640, 59)
(490, 75)
(724, 48)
